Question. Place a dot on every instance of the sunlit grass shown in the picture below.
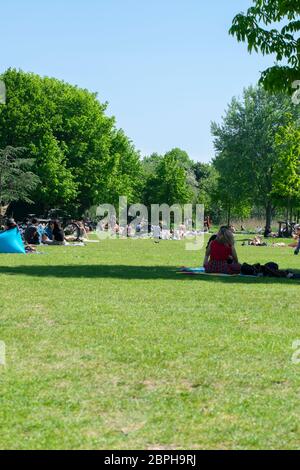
(108, 347)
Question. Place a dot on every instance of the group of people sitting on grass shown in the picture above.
(221, 256)
(259, 241)
(35, 233)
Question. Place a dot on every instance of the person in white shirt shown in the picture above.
(156, 229)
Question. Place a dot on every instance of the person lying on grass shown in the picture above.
(256, 241)
(221, 256)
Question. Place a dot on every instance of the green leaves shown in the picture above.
(168, 178)
(16, 179)
(79, 155)
(51, 166)
(246, 154)
(254, 28)
(287, 168)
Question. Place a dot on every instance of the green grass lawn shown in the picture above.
(108, 348)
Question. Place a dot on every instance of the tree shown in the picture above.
(172, 182)
(51, 165)
(78, 153)
(16, 179)
(150, 164)
(183, 161)
(272, 26)
(245, 148)
(206, 176)
(230, 194)
(125, 170)
(168, 184)
(181, 157)
(286, 187)
(169, 179)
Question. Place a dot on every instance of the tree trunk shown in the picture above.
(269, 211)
(229, 215)
(3, 210)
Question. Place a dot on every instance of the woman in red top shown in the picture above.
(221, 256)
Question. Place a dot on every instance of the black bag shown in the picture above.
(272, 270)
(250, 270)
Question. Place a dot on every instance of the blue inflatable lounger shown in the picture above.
(11, 242)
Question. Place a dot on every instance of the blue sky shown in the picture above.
(166, 67)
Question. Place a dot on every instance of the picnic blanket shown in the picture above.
(201, 271)
(11, 242)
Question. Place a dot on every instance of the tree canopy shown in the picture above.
(61, 150)
(17, 180)
(272, 27)
(286, 187)
(78, 153)
(167, 178)
(246, 151)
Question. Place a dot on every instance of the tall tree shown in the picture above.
(125, 170)
(168, 184)
(169, 179)
(183, 161)
(230, 192)
(172, 182)
(245, 146)
(75, 146)
(181, 157)
(272, 27)
(50, 163)
(286, 186)
(16, 178)
(207, 180)
(150, 164)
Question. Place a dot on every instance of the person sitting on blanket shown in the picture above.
(31, 234)
(215, 236)
(48, 231)
(58, 235)
(83, 231)
(221, 256)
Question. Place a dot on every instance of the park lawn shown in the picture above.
(108, 347)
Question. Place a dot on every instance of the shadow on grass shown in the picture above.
(129, 273)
